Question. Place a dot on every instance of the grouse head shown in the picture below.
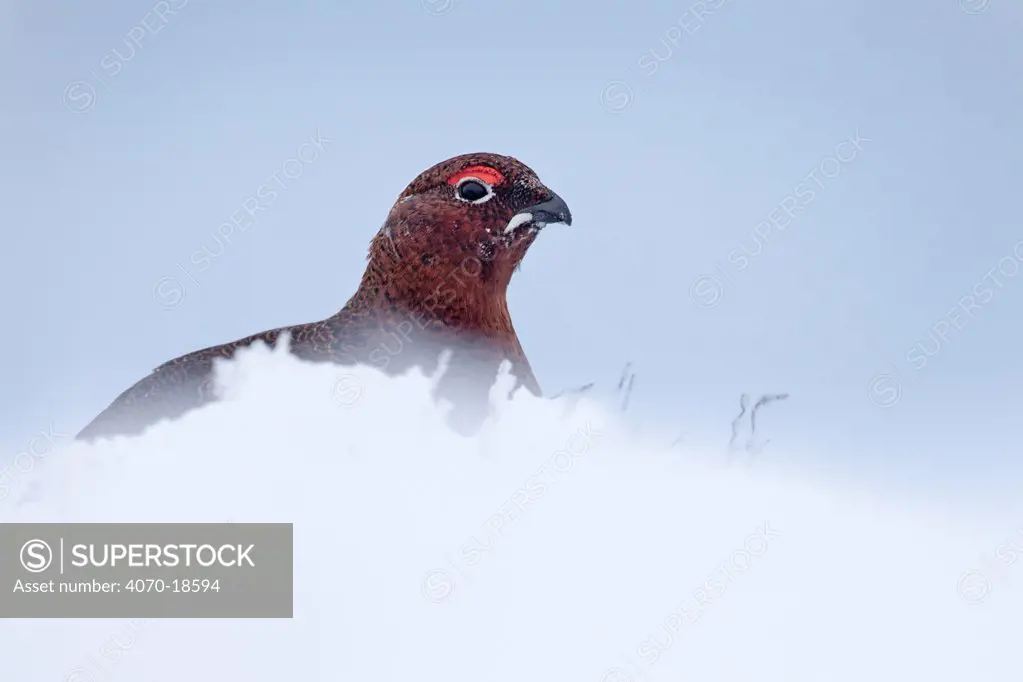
(467, 221)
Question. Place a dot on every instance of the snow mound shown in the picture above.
(552, 546)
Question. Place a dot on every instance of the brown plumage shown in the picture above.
(437, 278)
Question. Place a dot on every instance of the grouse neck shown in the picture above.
(460, 298)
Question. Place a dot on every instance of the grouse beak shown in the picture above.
(553, 210)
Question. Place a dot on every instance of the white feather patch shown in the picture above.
(517, 220)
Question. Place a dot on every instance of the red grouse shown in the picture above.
(437, 279)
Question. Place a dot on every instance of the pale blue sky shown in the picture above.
(181, 130)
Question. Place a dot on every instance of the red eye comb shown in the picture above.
(484, 173)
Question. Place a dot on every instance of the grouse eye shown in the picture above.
(471, 190)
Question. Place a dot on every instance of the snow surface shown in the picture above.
(423, 555)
